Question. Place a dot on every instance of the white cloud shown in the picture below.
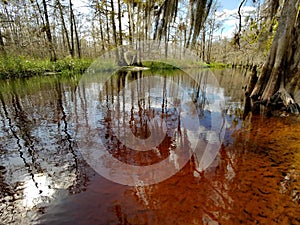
(229, 20)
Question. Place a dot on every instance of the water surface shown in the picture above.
(45, 178)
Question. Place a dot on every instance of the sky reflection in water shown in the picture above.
(45, 179)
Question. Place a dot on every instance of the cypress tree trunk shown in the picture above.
(278, 85)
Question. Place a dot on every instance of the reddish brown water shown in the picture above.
(44, 180)
(255, 182)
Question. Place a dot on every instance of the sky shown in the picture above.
(227, 13)
(230, 4)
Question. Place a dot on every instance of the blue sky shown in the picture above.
(227, 14)
(230, 4)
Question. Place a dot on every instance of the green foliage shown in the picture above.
(16, 67)
(35, 84)
(217, 65)
(171, 64)
(263, 34)
(159, 65)
(271, 37)
(100, 65)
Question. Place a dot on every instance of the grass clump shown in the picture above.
(159, 65)
(217, 65)
(17, 67)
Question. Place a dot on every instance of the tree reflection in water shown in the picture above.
(151, 124)
(45, 180)
(38, 160)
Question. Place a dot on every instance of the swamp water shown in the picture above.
(45, 123)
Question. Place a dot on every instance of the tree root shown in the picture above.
(281, 101)
(283, 97)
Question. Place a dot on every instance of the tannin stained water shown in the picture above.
(45, 180)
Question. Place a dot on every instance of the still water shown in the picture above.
(47, 177)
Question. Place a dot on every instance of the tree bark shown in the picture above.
(113, 23)
(164, 17)
(130, 23)
(48, 33)
(72, 30)
(120, 42)
(107, 26)
(192, 21)
(76, 35)
(2, 49)
(119, 58)
(102, 34)
(147, 19)
(280, 73)
(120, 23)
(64, 26)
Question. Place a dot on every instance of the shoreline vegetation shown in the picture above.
(21, 67)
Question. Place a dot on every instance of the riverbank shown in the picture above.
(18, 67)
